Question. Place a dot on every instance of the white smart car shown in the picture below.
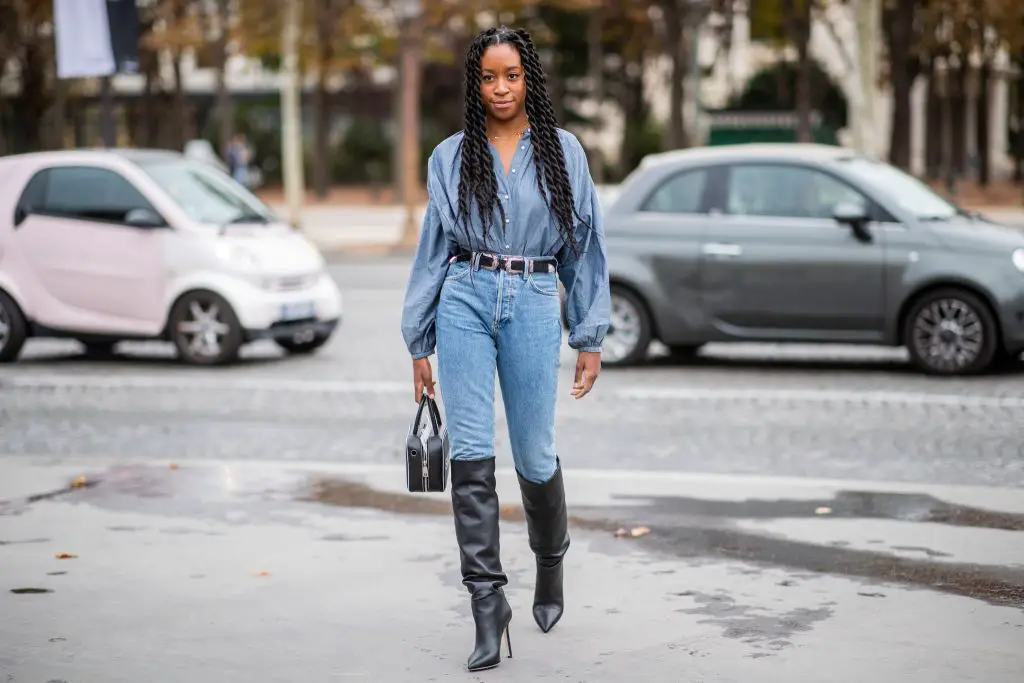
(107, 246)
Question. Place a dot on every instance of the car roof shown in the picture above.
(93, 154)
(797, 151)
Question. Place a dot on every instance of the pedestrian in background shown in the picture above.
(512, 209)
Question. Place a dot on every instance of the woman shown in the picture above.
(483, 292)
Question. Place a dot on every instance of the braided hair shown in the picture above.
(477, 180)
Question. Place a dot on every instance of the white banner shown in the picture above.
(82, 38)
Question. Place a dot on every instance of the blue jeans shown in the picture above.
(509, 323)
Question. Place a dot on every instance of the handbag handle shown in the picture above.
(435, 414)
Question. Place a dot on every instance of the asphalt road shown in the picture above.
(834, 412)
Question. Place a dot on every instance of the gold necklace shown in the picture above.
(517, 135)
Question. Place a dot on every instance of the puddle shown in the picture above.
(904, 507)
(348, 494)
(25, 541)
(749, 624)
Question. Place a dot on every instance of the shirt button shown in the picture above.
(513, 170)
(523, 147)
(506, 220)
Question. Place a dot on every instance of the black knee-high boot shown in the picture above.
(475, 508)
(548, 526)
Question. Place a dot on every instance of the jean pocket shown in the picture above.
(457, 271)
(544, 283)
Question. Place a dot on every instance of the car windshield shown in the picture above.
(904, 189)
(206, 194)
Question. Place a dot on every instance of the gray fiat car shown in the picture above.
(811, 244)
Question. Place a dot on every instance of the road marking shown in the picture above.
(210, 383)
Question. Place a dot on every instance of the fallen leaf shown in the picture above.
(174, 465)
(80, 482)
(823, 511)
(66, 556)
(262, 573)
(635, 532)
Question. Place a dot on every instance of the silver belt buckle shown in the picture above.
(512, 259)
(492, 257)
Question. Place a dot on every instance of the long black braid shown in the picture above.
(477, 181)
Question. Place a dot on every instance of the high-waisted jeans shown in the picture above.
(493, 321)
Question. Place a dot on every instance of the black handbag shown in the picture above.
(427, 455)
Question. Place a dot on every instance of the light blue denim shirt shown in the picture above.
(531, 229)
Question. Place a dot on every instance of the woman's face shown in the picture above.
(502, 86)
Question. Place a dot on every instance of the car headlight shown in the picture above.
(1018, 259)
(238, 257)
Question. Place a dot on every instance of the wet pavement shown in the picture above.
(113, 570)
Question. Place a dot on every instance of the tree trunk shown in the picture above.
(58, 112)
(900, 36)
(321, 110)
(958, 105)
(225, 111)
(933, 124)
(675, 132)
(797, 19)
(595, 62)
(1018, 155)
(180, 110)
(982, 121)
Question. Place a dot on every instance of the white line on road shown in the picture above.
(198, 383)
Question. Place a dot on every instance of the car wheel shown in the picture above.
(205, 329)
(13, 329)
(301, 343)
(629, 334)
(951, 332)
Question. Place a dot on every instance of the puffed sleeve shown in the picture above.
(585, 277)
(430, 264)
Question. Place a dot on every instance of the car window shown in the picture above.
(206, 194)
(88, 193)
(787, 192)
(681, 193)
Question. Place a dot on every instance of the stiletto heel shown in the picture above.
(508, 640)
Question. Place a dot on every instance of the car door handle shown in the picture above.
(719, 249)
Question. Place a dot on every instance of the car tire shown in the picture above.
(959, 324)
(13, 329)
(629, 335)
(209, 316)
(305, 346)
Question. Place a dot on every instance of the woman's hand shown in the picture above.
(423, 378)
(588, 367)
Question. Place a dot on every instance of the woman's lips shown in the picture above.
(503, 105)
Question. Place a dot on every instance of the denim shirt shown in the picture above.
(531, 230)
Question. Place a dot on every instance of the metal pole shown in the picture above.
(291, 121)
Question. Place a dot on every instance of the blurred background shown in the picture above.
(934, 87)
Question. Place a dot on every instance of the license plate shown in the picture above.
(298, 310)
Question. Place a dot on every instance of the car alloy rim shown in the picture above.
(5, 327)
(948, 334)
(203, 329)
(624, 332)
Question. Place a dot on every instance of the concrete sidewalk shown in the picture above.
(282, 572)
(338, 229)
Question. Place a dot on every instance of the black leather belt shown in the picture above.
(510, 264)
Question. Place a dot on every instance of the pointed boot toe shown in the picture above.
(547, 616)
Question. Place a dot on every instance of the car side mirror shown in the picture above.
(855, 216)
(144, 218)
